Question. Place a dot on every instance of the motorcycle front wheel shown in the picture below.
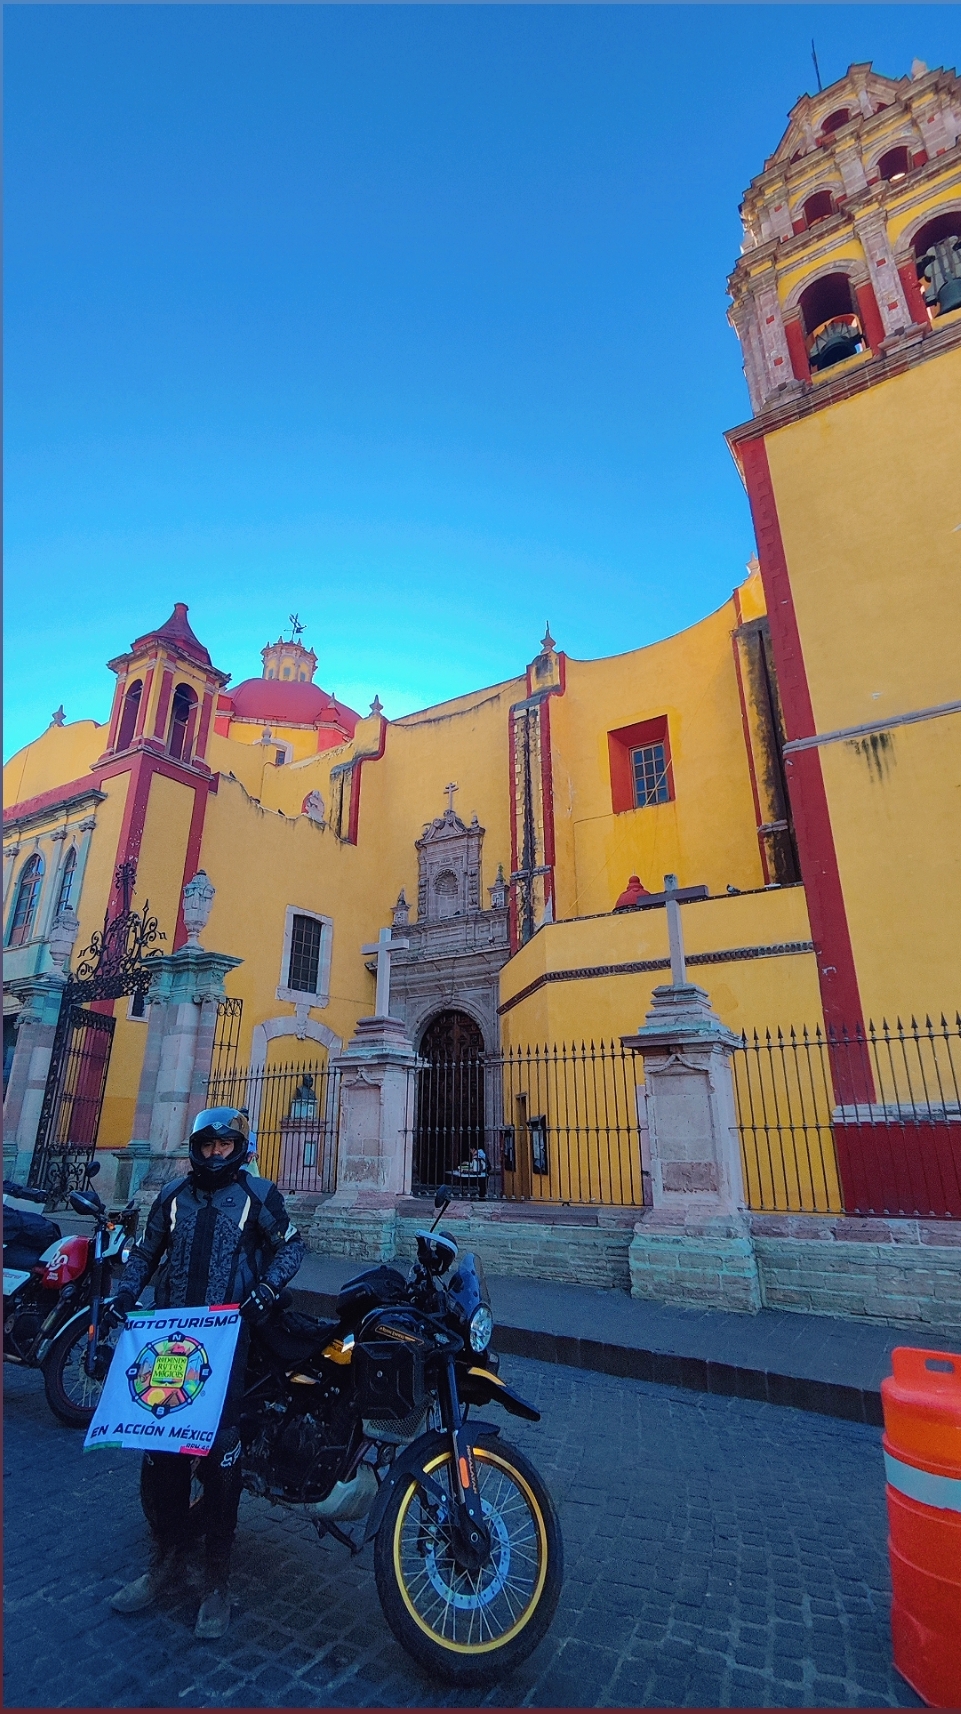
(471, 1627)
(72, 1394)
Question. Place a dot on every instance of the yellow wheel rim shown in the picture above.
(474, 1600)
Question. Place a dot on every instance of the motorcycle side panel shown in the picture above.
(65, 1261)
(13, 1279)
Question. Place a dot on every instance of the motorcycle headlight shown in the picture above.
(481, 1328)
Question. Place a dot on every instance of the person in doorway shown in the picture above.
(220, 1235)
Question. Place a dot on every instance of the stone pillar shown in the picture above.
(185, 992)
(694, 1245)
(40, 1009)
(375, 1151)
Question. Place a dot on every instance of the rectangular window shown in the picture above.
(649, 765)
(640, 757)
(304, 963)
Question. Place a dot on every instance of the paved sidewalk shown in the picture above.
(813, 1362)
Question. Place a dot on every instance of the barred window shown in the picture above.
(651, 783)
(304, 954)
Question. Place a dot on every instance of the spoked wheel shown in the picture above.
(470, 1626)
(72, 1394)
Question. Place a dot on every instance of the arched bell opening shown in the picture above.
(937, 251)
(449, 1129)
(894, 165)
(128, 718)
(831, 323)
(820, 206)
(835, 120)
(182, 719)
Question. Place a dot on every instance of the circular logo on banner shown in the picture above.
(168, 1374)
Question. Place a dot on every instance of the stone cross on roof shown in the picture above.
(450, 789)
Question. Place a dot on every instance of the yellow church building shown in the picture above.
(793, 759)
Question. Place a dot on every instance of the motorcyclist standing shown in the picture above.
(220, 1235)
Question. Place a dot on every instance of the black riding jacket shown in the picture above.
(214, 1246)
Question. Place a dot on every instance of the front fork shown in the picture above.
(471, 1536)
(93, 1331)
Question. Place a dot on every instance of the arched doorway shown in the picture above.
(450, 1101)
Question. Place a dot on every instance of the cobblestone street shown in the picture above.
(719, 1552)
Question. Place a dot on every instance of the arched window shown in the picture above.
(830, 321)
(28, 893)
(286, 672)
(818, 206)
(128, 719)
(894, 165)
(67, 877)
(181, 718)
(834, 121)
(937, 249)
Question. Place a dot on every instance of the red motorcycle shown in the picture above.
(53, 1291)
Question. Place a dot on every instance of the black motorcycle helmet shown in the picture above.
(218, 1124)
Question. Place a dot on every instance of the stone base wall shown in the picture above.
(900, 1273)
(702, 1270)
(905, 1273)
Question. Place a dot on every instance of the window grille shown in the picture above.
(304, 955)
(25, 909)
(651, 783)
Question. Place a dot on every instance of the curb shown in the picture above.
(695, 1374)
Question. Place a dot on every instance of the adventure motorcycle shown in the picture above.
(364, 1419)
(53, 1290)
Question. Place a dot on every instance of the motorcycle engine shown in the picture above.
(298, 1454)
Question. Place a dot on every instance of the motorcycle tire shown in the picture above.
(471, 1628)
(196, 1518)
(72, 1394)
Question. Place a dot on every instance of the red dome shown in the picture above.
(279, 702)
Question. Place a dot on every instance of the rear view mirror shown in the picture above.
(93, 1169)
(441, 1197)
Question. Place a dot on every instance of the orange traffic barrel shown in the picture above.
(922, 1457)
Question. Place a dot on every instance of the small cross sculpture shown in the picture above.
(674, 935)
(450, 789)
(384, 946)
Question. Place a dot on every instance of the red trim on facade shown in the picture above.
(912, 291)
(49, 800)
(203, 733)
(512, 786)
(794, 333)
(547, 799)
(222, 725)
(166, 688)
(870, 314)
(746, 729)
(353, 814)
(837, 973)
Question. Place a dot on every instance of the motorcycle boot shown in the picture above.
(165, 1569)
(214, 1616)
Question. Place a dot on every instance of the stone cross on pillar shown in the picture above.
(450, 789)
(674, 932)
(384, 946)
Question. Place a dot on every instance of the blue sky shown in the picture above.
(409, 319)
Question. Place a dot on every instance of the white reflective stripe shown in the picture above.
(941, 1491)
(241, 1223)
(173, 1213)
(291, 1233)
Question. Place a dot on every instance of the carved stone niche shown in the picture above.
(449, 860)
(457, 948)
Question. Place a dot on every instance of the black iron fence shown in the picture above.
(866, 1121)
(294, 1113)
(547, 1123)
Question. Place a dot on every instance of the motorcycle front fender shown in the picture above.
(411, 1463)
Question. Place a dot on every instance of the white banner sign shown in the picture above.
(166, 1385)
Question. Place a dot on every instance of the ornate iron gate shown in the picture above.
(117, 962)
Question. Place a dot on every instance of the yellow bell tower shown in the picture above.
(847, 303)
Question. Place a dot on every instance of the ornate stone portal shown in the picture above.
(456, 948)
